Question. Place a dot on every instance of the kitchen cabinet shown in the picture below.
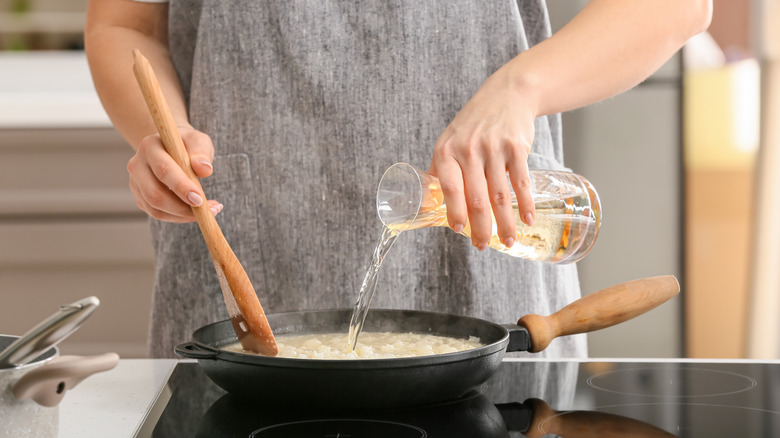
(42, 24)
(721, 150)
(69, 228)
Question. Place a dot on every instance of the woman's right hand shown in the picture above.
(160, 186)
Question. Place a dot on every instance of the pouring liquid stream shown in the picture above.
(367, 289)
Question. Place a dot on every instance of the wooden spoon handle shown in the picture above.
(174, 145)
(245, 311)
(169, 132)
(601, 309)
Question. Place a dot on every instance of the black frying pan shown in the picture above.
(383, 383)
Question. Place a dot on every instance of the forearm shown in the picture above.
(609, 47)
(109, 41)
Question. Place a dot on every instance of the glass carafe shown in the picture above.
(568, 212)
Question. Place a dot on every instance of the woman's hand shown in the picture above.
(160, 186)
(490, 137)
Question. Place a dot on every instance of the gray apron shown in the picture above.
(308, 102)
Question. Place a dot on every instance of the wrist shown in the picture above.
(526, 84)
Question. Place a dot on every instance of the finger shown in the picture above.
(157, 199)
(167, 214)
(501, 201)
(201, 151)
(215, 207)
(152, 195)
(478, 203)
(156, 213)
(519, 175)
(451, 180)
(168, 172)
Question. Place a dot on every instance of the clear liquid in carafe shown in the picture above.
(562, 228)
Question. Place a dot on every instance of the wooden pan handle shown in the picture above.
(245, 311)
(586, 424)
(601, 309)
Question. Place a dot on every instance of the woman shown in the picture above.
(292, 109)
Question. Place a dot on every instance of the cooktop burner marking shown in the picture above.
(686, 378)
(346, 428)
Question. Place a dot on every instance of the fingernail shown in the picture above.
(216, 209)
(458, 228)
(195, 199)
(529, 219)
(482, 246)
(207, 163)
(508, 242)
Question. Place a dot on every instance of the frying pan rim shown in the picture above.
(498, 345)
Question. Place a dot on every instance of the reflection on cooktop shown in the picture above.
(691, 420)
(472, 416)
(523, 398)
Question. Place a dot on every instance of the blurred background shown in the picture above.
(686, 165)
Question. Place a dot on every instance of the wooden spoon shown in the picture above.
(243, 306)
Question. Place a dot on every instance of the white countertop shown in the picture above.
(115, 403)
(48, 90)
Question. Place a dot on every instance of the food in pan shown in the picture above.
(371, 345)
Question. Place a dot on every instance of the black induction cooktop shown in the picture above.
(524, 398)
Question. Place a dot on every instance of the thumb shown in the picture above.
(200, 149)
